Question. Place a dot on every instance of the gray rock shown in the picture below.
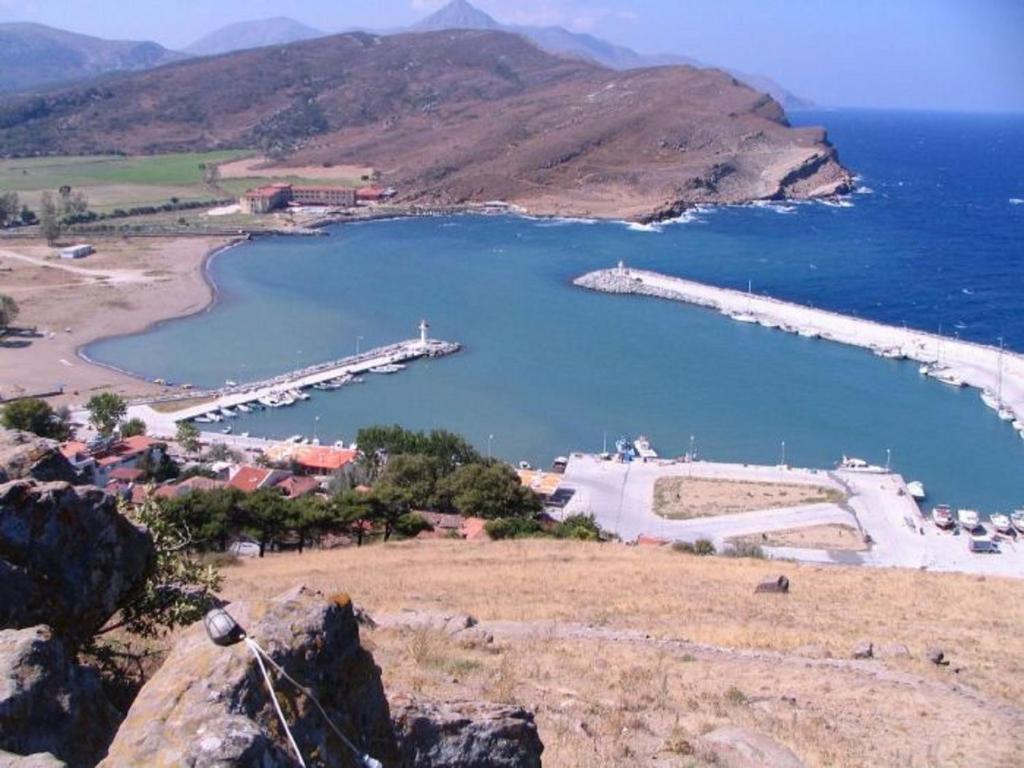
(736, 747)
(865, 649)
(48, 703)
(937, 656)
(465, 735)
(892, 651)
(779, 585)
(27, 456)
(39, 760)
(208, 706)
(68, 558)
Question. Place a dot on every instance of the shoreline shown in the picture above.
(954, 362)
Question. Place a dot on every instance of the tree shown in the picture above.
(8, 311)
(188, 436)
(132, 427)
(389, 504)
(449, 449)
(488, 491)
(414, 477)
(49, 221)
(33, 415)
(28, 216)
(266, 513)
(8, 207)
(209, 515)
(106, 411)
(352, 511)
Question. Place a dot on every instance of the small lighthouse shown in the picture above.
(621, 268)
(424, 326)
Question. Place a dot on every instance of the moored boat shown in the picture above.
(942, 516)
(853, 464)
(968, 519)
(1017, 519)
(1001, 523)
(916, 489)
(644, 449)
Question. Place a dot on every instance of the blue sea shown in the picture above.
(931, 239)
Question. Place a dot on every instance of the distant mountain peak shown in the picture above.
(458, 14)
(255, 33)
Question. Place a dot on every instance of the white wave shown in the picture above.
(636, 226)
(966, 291)
(1016, 201)
(863, 190)
(837, 203)
(561, 221)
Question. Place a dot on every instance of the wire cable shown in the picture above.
(273, 697)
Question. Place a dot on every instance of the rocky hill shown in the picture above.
(253, 34)
(34, 55)
(452, 117)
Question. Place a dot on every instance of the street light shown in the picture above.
(358, 339)
(316, 422)
(489, 439)
(888, 458)
(691, 447)
(783, 462)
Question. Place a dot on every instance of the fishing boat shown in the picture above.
(743, 317)
(890, 353)
(925, 369)
(298, 394)
(1017, 518)
(946, 377)
(230, 383)
(942, 516)
(294, 439)
(989, 398)
(1006, 414)
(243, 408)
(227, 413)
(809, 333)
(1001, 523)
(916, 489)
(203, 420)
(387, 368)
(853, 464)
(643, 448)
(764, 321)
(227, 430)
(968, 519)
(285, 398)
(269, 401)
(214, 417)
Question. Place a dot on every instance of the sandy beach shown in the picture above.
(125, 287)
(976, 365)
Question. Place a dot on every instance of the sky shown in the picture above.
(916, 54)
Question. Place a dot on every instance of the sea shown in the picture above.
(932, 238)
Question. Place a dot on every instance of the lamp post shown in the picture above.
(316, 424)
(358, 339)
(489, 439)
(782, 463)
(888, 458)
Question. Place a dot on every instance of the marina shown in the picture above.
(998, 373)
(287, 389)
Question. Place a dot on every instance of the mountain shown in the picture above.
(34, 55)
(454, 117)
(459, 14)
(253, 34)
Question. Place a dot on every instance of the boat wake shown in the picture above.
(1016, 201)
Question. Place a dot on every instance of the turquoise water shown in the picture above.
(548, 368)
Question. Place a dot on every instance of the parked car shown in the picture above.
(244, 546)
(982, 544)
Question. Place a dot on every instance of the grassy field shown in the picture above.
(682, 498)
(841, 537)
(112, 181)
(620, 692)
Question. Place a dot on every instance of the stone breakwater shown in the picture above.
(998, 372)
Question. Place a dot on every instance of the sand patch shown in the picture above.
(682, 498)
(833, 537)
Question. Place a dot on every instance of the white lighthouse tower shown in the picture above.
(424, 326)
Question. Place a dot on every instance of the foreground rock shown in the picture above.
(208, 706)
(778, 585)
(465, 735)
(40, 760)
(24, 455)
(68, 558)
(736, 747)
(48, 704)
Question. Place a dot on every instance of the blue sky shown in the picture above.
(922, 54)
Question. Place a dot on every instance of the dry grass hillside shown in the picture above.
(451, 117)
(628, 655)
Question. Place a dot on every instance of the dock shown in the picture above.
(210, 401)
(998, 372)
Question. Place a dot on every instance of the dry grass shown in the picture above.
(602, 703)
(682, 498)
(833, 536)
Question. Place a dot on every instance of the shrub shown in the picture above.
(512, 527)
(744, 549)
(699, 547)
(580, 527)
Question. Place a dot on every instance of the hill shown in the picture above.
(34, 55)
(253, 34)
(452, 117)
(631, 655)
(459, 14)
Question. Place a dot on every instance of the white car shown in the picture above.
(244, 547)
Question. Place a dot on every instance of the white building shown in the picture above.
(76, 251)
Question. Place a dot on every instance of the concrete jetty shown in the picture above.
(162, 421)
(998, 372)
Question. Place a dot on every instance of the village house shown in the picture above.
(98, 462)
(273, 196)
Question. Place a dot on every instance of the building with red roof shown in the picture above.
(100, 462)
(295, 486)
(322, 460)
(273, 196)
(248, 479)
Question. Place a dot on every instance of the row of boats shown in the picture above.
(970, 520)
(750, 317)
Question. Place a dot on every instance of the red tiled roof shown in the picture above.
(650, 541)
(248, 479)
(72, 449)
(325, 458)
(200, 483)
(127, 474)
(294, 486)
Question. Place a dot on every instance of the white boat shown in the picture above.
(203, 420)
(916, 489)
(942, 516)
(968, 519)
(890, 353)
(230, 383)
(227, 413)
(294, 439)
(298, 394)
(339, 444)
(947, 378)
(1017, 518)
(214, 417)
(387, 368)
(245, 434)
(1006, 414)
(643, 448)
(809, 333)
(1001, 523)
(227, 430)
(989, 398)
(743, 317)
(925, 369)
(285, 399)
(853, 464)
(243, 408)
(1018, 425)
(768, 323)
(269, 401)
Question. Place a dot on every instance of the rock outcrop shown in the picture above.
(49, 704)
(465, 735)
(736, 747)
(68, 558)
(24, 455)
(208, 705)
(38, 760)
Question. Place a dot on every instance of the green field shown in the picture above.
(39, 173)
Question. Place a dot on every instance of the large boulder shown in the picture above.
(735, 747)
(39, 760)
(49, 704)
(465, 735)
(208, 705)
(68, 558)
(24, 455)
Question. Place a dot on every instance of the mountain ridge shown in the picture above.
(257, 33)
